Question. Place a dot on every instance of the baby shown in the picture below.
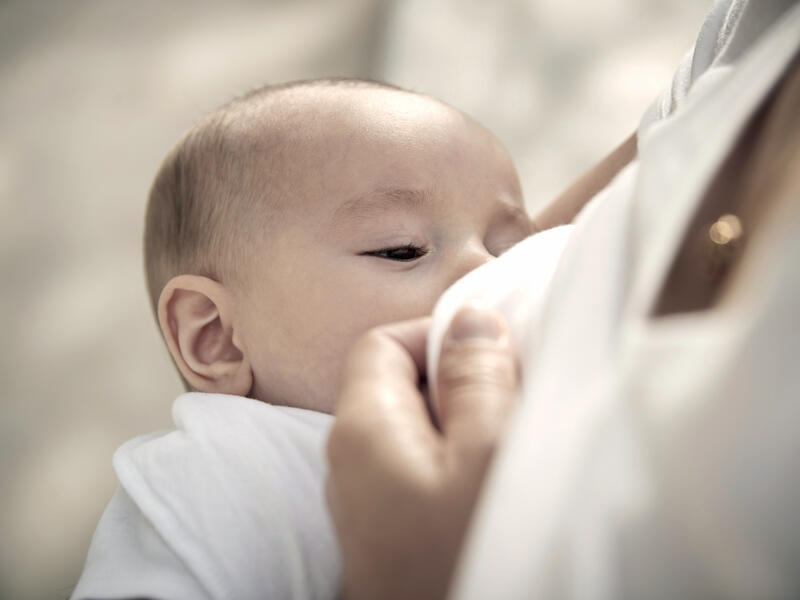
(279, 229)
(295, 218)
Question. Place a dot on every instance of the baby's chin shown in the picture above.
(515, 285)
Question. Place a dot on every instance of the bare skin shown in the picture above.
(569, 203)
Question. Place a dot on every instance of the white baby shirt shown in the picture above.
(229, 505)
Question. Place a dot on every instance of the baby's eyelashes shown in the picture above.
(405, 253)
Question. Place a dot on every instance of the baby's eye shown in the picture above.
(402, 253)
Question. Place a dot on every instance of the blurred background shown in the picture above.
(93, 94)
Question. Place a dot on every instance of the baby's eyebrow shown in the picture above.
(374, 202)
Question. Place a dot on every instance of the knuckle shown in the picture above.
(370, 340)
(477, 372)
(366, 352)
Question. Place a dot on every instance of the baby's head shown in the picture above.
(296, 217)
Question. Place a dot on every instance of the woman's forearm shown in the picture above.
(564, 208)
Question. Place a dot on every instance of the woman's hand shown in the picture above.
(400, 490)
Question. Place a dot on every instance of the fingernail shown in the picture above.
(472, 322)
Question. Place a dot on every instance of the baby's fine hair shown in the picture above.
(208, 189)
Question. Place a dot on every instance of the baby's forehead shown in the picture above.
(315, 142)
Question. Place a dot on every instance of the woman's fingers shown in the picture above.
(476, 382)
(383, 372)
(383, 455)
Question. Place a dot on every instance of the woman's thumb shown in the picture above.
(476, 379)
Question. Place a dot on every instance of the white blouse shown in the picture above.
(659, 456)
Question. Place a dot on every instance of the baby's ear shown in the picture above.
(196, 315)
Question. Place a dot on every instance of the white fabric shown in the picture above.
(229, 505)
(729, 29)
(658, 457)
